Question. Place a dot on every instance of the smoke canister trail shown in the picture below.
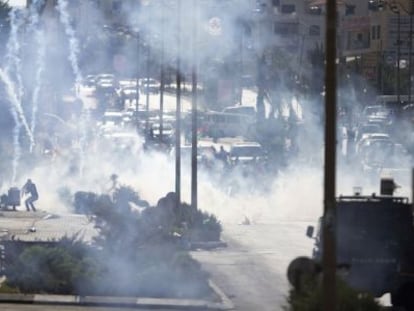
(34, 28)
(62, 6)
(16, 146)
(13, 49)
(16, 143)
(40, 63)
(15, 103)
(13, 65)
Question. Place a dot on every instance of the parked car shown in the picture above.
(111, 121)
(371, 139)
(151, 85)
(90, 80)
(129, 92)
(246, 152)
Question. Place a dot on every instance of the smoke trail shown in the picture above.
(13, 50)
(14, 66)
(16, 130)
(40, 68)
(16, 105)
(40, 62)
(73, 58)
(73, 42)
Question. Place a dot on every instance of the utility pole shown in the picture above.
(194, 140)
(329, 223)
(178, 112)
(398, 54)
(147, 95)
(410, 51)
(137, 85)
(162, 86)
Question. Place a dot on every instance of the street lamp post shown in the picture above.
(194, 142)
(178, 112)
(162, 73)
(410, 50)
(329, 223)
(137, 85)
(398, 53)
(147, 90)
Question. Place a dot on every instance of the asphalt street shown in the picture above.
(252, 269)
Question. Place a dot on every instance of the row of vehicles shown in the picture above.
(377, 143)
(109, 81)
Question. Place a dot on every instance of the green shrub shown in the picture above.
(68, 267)
(7, 289)
(310, 298)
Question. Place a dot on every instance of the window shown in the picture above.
(288, 8)
(260, 6)
(315, 10)
(349, 9)
(314, 30)
(285, 29)
(376, 32)
(373, 5)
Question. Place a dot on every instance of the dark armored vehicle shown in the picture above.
(374, 244)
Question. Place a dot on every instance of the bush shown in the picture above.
(202, 226)
(310, 298)
(138, 251)
(67, 266)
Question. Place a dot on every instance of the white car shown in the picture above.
(246, 152)
(129, 92)
(124, 140)
(151, 85)
(111, 121)
(372, 138)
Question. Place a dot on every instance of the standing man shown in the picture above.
(30, 188)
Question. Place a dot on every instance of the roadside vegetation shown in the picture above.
(140, 250)
(307, 295)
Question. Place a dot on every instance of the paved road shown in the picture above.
(252, 269)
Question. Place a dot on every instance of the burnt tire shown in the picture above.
(299, 269)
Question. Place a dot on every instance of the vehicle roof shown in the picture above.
(246, 144)
(113, 114)
(122, 135)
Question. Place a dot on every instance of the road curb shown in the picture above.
(136, 302)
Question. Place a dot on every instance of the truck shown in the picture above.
(374, 244)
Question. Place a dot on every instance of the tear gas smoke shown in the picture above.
(62, 6)
(16, 146)
(16, 103)
(35, 28)
(152, 174)
(20, 120)
(13, 65)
